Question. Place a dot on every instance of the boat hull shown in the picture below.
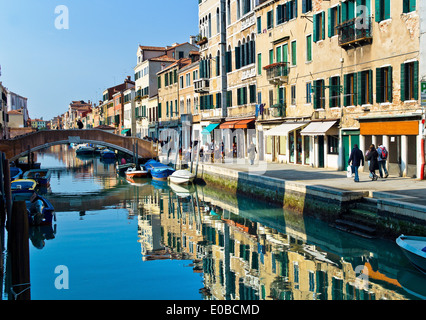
(417, 257)
(137, 174)
(40, 211)
(41, 176)
(161, 175)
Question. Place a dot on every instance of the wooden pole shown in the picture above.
(19, 251)
(2, 198)
(7, 189)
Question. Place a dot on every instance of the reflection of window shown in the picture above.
(333, 145)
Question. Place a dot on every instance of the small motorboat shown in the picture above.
(182, 177)
(134, 173)
(40, 210)
(121, 168)
(85, 150)
(107, 154)
(41, 176)
(415, 250)
(23, 186)
(158, 171)
(15, 173)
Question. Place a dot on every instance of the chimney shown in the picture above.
(192, 40)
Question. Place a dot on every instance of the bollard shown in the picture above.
(19, 251)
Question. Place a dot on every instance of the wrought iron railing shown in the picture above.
(355, 31)
(277, 71)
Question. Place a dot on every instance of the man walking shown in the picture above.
(383, 155)
(356, 158)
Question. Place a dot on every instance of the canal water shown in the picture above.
(116, 239)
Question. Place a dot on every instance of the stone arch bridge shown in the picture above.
(19, 146)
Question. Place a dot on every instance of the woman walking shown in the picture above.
(372, 157)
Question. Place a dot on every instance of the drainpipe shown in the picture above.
(422, 167)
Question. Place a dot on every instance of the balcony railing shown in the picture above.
(277, 73)
(202, 85)
(355, 32)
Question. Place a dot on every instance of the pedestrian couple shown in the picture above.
(376, 161)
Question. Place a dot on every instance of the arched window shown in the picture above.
(217, 21)
(210, 25)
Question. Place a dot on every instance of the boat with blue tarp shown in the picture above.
(158, 170)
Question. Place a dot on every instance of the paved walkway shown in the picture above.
(409, 189)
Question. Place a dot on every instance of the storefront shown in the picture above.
(401, 135)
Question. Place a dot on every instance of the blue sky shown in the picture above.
(52, 67)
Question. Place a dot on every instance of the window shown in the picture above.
(382, 10)
(334, 92)
(384, 84)
(333, 20)
(309, 48)
(410, 81)
(350, 89)
(408, 6)
(306, 6)
(271, 56)
(319, 94)
(348, 10)
(333, 144)
(252, 89)
(319, 26)
(181, 82)
(242, 96)
(270, 19)
(159, 82)
(308, 92)
(365, 87)
(293, 53)
(293, 95)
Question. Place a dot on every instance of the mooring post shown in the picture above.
(19, 251)
(2, 197)
(7, 189)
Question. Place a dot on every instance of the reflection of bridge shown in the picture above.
(98, 200)
(18, 147)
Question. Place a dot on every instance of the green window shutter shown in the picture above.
(315, 94)
(356, 84)
(387, 9)
(412, 5)
(217, 65)
(379, 85)
(259, 25)
(331, 93)
(330, 23)
(338, 92)
(377, 7)
(390, 84)
(309, 48)
(346, 90)
(293, 53)
(159, 110)
(370, 86)
(403, 82)
(361, 88)
(259, 64)
(405, 6)
(323, 25)
(316, 28)
(285, 53)
(279, 54)
(416, 80)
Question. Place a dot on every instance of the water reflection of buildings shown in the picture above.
(246, 260)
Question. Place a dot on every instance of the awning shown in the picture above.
(125, 131)
(243, 124)
(284, 129)
(229, 124)
(317, 128)
(209, 128)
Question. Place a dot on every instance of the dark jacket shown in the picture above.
(356, 157)
(373, 158)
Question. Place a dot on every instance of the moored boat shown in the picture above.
(41, 176)
(23, 185)
(415, 250)
(15, 173)
(182, 177)
(134, 173)
(40, 211)
(158, 171)
(85, 150)
(107, 154)
(121, 168)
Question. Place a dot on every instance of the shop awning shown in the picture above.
(209, 128)
(317, 128)
(243, 124)
(284, 129)
(229, 124)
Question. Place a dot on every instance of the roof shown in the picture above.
(15, 112)
(180, 63)
(163, 58)
(152, 48)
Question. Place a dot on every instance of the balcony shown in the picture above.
(355, 32)
(202, 85)
(277, 73)
(277, 110)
